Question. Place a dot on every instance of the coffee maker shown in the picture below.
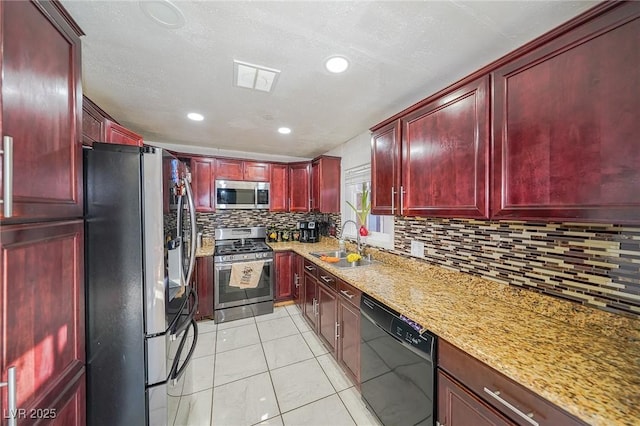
(308, 232)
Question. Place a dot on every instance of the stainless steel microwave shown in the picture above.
(233, 194)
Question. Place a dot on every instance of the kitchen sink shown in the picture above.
(342, 255)
(334, 253)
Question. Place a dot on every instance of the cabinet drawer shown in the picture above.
(327, 279)
(310, 268)
(496, 389)
(350, 293)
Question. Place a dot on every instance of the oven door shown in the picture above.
(228, 296)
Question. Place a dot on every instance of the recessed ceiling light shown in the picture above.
(336, 64)
(163, 13)
(195, 116)
(284, 130)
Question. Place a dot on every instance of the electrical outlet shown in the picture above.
(417, 248)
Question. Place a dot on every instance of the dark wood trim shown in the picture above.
(55, 4)
(526, 48)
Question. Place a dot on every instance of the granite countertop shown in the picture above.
(206, 249)
(581, 359)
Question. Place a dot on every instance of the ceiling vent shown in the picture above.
(254, 77)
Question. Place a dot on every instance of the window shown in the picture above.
(380, 227)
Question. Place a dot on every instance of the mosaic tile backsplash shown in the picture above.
(238, 218)
(595, 265)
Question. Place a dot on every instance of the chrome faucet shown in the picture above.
(358, 242)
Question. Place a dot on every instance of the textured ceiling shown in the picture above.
(149, 77)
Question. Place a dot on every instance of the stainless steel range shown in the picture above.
(244, 273)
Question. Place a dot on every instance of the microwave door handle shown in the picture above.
(194, 231)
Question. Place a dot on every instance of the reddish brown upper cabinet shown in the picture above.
(234, 169)
(42, 302)
(299, 192)
(93, 120)
(385, 169)
(279, 188)
(203, 172)
(325, 184)
(445, 155)
(566, 125)
(228, 168)
(41, 67)
(284, 277)
(116, 133)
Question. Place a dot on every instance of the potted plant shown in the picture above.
(365, 209)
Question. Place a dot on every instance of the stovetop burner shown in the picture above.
(241, 247)
(240, 244)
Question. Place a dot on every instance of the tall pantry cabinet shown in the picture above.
(41, 226)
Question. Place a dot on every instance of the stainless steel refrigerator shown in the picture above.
(139, 229)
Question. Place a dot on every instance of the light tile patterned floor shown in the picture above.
(268, 370)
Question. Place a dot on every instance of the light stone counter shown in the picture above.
(583, 360)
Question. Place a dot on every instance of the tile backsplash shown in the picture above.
(238, 218)
(592, 264)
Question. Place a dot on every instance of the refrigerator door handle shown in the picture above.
(194, 231)
(177, 372)
(178, 327)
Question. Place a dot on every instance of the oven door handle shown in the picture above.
(227, 265)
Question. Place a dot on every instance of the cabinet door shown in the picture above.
(299, 194)
(230, 169)
(349, 339)
(459, 407)
(116, 133)
(325, 185)
(254, 171)
(42, 309)
(566, 126)
(203, 183)
(310, 299)
(298, 276)
(385, 170)
(92, 123)
(327, 315)
(279, 188)
(445, 155)
(284, 281)
(41, 67)
(204, 287)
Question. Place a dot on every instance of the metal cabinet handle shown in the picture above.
(402, 192)
(296, 279)
(346, 293)
(7, 175)
(497, 397)
(326, 279)
(393, 200)
(12, 417)
(337, 330)
(309, 268)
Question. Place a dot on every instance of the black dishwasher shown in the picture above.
(398, 364)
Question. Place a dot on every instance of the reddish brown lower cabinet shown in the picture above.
(327, 314)
(284, 276)
(459, 407)
(309, 290)
(503, 395)
(42, 309)
(203, 183)
(204, 287)
(348, 342)
(566, 127)
(279, 188)
(116, 133)
(298, 275)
